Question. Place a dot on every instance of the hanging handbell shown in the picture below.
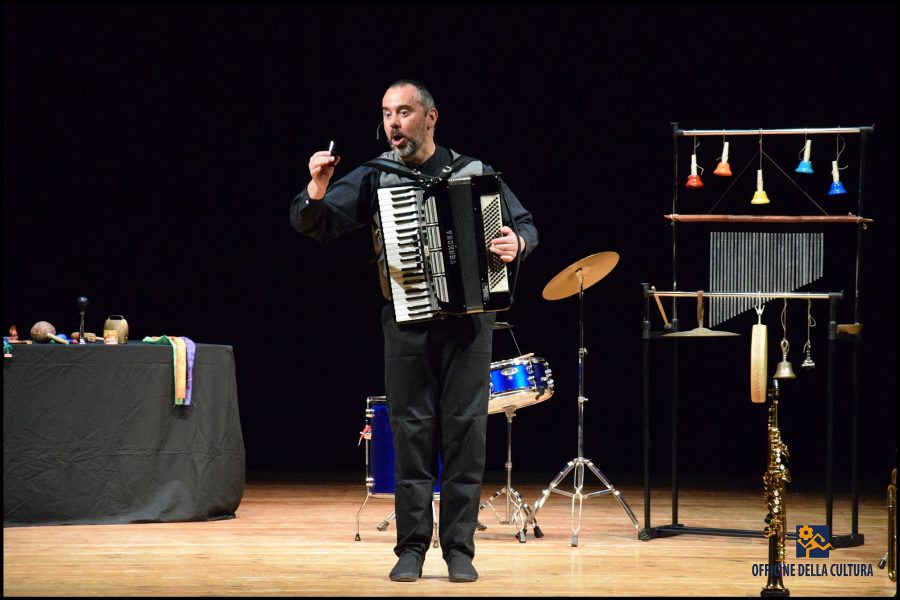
(808, 361)
(784, 370)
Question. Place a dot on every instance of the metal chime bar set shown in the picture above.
(741, 261)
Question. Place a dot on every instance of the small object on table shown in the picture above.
(88, 336)
(43, 332)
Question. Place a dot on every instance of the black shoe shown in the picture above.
(461, 569)
(408, 567)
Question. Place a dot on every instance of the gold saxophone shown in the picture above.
(775, 477)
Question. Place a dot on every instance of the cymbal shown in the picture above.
(700, 332)
(591, 269)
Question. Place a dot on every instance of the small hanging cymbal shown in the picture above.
(700, 332)
(580, 275)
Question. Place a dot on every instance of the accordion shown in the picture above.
(435, 240)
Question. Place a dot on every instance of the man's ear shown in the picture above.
(432, 116)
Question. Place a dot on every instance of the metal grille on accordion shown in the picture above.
(749, 262)
(436, 242)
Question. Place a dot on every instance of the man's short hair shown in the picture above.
(424, 95)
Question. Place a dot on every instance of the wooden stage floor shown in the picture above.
(294, 536)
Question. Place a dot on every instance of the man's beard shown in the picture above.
(412, 145)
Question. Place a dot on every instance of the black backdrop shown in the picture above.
(151, 152)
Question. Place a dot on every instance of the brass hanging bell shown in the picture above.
(784, 370)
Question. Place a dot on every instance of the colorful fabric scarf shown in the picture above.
(183, 352)
(191, 352)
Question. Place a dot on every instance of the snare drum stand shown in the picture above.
(522, 515)
(579, 463)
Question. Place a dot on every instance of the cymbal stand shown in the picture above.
(579, 463)
(522, 515)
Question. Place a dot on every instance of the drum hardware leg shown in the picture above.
(360, 512)
(387, 522)
(435, 537)
(521, 515)
(434, 517)
(580, 462)
(365, 436)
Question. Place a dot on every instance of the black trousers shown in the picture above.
(437, 384)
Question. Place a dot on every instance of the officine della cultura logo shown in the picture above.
(813, 543)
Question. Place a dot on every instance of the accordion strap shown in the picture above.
(458, 163)
(397, 168)
(392, 166)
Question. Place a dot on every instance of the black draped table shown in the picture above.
(91, 435)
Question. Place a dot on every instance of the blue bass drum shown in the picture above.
(381, 458)
(519, 382)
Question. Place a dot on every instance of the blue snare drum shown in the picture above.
(381, 460)
(519, 382)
